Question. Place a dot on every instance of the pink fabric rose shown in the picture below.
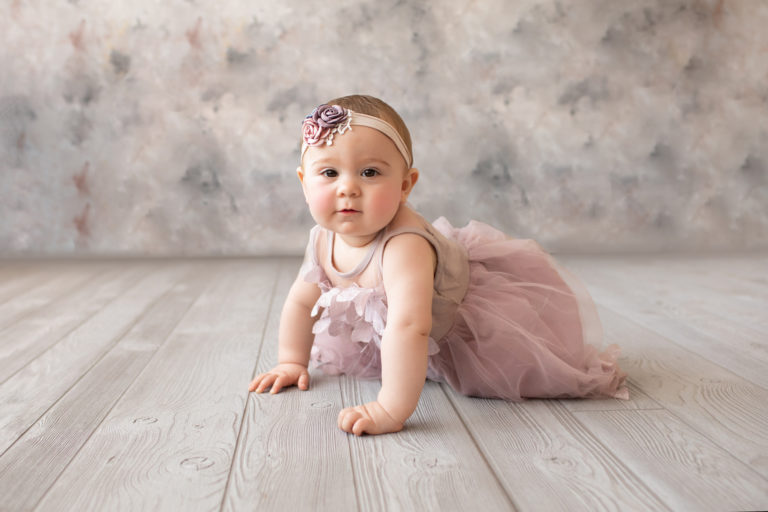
(313, 133)
(323, 122)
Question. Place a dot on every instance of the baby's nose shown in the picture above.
(348, 187)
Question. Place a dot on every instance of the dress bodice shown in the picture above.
(361, 311)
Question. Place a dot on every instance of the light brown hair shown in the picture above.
(377, 108)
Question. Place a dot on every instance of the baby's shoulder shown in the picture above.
(411, 246)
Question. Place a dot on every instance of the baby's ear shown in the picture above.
(410, 179)
(300, 174)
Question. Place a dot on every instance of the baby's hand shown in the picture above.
(370, 418)
(282, 375)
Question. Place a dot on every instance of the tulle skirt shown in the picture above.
(526, 327)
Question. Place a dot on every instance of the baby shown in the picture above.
(384, 294)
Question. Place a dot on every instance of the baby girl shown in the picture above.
(385, 294)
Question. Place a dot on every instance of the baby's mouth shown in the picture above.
(348, 210)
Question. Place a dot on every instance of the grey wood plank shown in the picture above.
(23, 341)
(701, 289)
(683, 467)
(432, 464)
(747, 277)
(16, 279)
(26, 395)
(720, 324)
(748, 266)
(34, 462)
(624, 293)
(19, 277)
(730, 410)
(168, 443)
(717, 295)
(289, 436)
(45, 286)
(695, 292)
(547, 461)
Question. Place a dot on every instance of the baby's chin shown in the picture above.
(353, 232)
(348, 229)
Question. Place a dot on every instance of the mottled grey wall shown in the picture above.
(173, 127)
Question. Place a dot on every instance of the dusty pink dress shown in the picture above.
(508, 321)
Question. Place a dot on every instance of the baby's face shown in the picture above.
(356, 185)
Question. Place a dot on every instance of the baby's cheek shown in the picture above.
(386, 203)
(321, 201)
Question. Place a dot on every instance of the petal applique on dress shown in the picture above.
(362, 299)
(349, 294)
(362, 332)
(321, 325)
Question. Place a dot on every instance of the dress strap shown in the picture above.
(312, 245)
(360, 266)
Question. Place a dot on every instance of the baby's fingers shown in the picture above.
(361, 426)
(347, 418)
(304, 381)
(280, 381)
(255, 382)
(266, 382)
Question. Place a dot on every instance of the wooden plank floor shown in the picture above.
(123, 386)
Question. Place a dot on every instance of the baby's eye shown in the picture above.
(370, 173)
(329, 173)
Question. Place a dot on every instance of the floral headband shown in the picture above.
(325, 121)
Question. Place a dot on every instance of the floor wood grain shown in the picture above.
(289, 454)
(123, 386)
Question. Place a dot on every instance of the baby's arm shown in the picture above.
(408, 281)
(295, 340)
